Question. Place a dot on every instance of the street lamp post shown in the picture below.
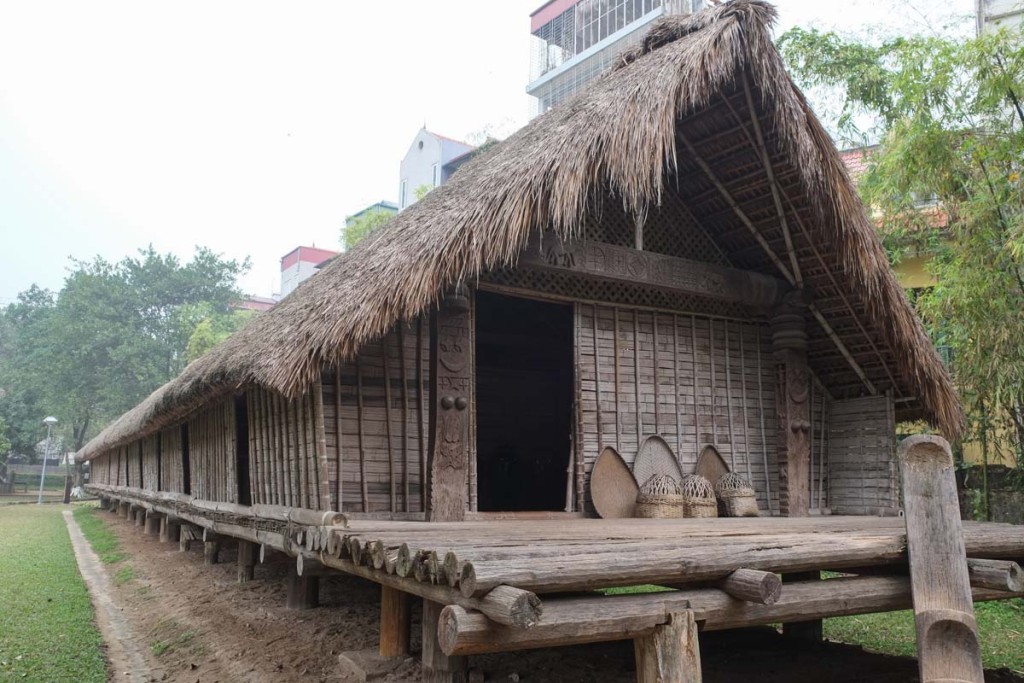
(49, 421)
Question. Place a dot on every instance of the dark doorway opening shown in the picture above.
(524, 394)
(242, 449)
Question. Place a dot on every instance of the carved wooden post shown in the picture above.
(449, 446)
(947, 634)
(792, 391)
(670, 654)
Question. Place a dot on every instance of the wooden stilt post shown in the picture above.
(947, 633)
(811, 630)
(246, 561)
(152, 523)
(140, 517)
(670, 653)
(437, 666)
(394, 622)
(303, 591)
(170, 530)
(185, 539)
(211, 547)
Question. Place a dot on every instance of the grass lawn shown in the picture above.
(1000, 624)
(46, 620)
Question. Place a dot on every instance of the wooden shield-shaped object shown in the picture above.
(711, 465)
(612, 486)
(655, 457)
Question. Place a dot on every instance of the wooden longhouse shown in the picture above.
(676, 252)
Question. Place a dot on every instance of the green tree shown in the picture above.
(946, 180)
(214, 328)
(358, 227)
(113, 334)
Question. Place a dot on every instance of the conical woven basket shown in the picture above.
(659, 498)
(698, 497)
(736, 497)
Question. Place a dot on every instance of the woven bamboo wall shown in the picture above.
(701, 381)
(171, 470)
(286, 451)
(379, 406)
(151, 462)
(99, 470)
(862, 467)
(133, 456)
(818, 474)
(211, 436)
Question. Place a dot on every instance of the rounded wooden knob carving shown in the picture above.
(461, 403)
(447, 402)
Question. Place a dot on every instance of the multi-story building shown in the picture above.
(430, 161)
(382, 206)
(299, 264)
(576, 40)
(996, 14)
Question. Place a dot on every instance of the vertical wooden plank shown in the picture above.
(392, 470)
(320, 439)
(657, 403)
(636, 377)
(420, 408)
(618, 385)
(811, 446)
(743, 388)
(339, 458)
(361, 436)
(597, 380)
(760, 410)
(675, 385)
(714, 388)
(402, 369)
(728, 398)
(696, 406)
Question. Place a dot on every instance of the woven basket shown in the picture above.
(659, 498)
(736, 497)
(698, 497)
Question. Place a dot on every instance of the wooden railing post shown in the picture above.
(947, 634)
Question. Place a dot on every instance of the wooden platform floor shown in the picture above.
(547, 556)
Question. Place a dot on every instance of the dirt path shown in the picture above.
(124, 653)
(194, 624)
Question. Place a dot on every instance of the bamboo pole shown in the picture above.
(392, 470)
(675, 384)
(636, 377)
(597, 380)
(728, 399)
(760, 410)
(339, 461)
(696, 406)
(743, 388)
(362, 449)
(618, 413)
(657, 407)
(405, 416)
(714, 389)
(419, 413)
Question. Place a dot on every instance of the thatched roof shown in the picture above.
(622, 138)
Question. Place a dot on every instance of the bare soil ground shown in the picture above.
(197, 625)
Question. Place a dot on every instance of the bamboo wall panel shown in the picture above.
(133, 456)
(287, 461)
(693, 380)
(863, 475)
(151, 462)
(212, 453)
(821, 405)
(375, 419)
(171, 469)
(99, 470)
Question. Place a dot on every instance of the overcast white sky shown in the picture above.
(252, 127)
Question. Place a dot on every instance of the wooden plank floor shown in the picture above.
(545, 556)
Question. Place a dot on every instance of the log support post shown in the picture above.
(451, 347)
(185, 537)
(394, 622)
(104, 502)
(947, 633)
(246, 561)
(127, 510)
(792, 393)
(170, 529)
(812, 629)
(153, 522)
(140, 517)
(437, 666)
(211, 547)
(670, 653)
(303, 591)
